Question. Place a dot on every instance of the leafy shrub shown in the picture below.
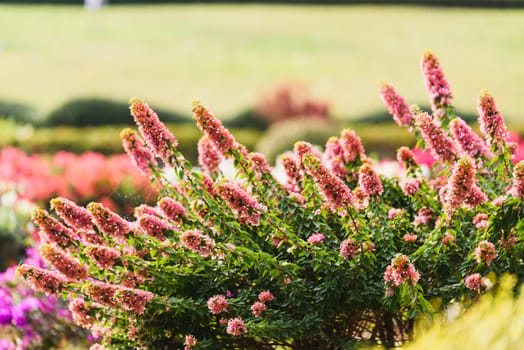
(98, 111)
(19, 112)
(331, 256)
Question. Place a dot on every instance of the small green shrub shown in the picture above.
(98, 111)
(19, 112)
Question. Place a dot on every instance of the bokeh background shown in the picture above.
(274, 71)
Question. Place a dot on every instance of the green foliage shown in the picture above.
(98, 111)
(19, 112)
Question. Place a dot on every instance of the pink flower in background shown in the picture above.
(485, 252)
(474, 282)
(481, 220)
(409, 238)
(448, 239)
(396, 105)
(257, 308)
(316, 238)
(401, 271)
(348, 248)
(236, 326)
(393, 213)
(265, 296)
(424, 216)
(189, 341)
(436, 84)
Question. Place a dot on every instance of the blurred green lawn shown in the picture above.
(226, 55)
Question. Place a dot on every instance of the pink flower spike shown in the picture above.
(172, 209)
(109, 222)
(63, 263)
(236, 326)
(80, 313)
(73, 214)
(105, 257)
(334, 157)
(517, 185)
(53, 230)
(156, 134)
(393, 213)
(369, 181)
(49, 282)
(132, 299)
(396, 105)
(198, 242)
(469, 143)
(154, 226)
(217, 304)
(436, 84)
(448, 239)
(333, 189)
(406, 158)
(208, 155)
(245, 207)
(140, 155)
(213, 128)
(352, 146)
(491, 121)
(440, 145)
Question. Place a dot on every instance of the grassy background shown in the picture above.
(226, 55)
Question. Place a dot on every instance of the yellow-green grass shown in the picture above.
(226, 55)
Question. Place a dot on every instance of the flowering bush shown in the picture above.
(28, 319)
(332, 255)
